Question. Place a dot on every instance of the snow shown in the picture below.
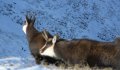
(94, 19)
(16, 63)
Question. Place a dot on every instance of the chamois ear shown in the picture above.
(27, 19)
(30, 19)
(33, 19)
(54, 39)
(58, 37)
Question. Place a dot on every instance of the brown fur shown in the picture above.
(93, 52)
(36, 41)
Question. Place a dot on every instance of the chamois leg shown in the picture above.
(49, 60)
(37, 58)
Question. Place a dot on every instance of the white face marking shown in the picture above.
(25, 28)
(50, 50)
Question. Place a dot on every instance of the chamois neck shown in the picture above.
(31, 32)
(60, 48)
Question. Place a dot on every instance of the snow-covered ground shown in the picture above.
(94, 19)
(14, 63)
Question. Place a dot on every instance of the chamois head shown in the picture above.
(29, 22)
(48, 48)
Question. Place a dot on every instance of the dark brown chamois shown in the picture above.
(83, 51)
(36, 40)
(68, 51)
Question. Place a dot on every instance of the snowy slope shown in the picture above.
(94, 19)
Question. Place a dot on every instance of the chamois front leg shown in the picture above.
(38, 58)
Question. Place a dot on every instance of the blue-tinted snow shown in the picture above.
(94, 19)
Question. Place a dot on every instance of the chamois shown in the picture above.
(68, 51)
(81, 51)
(36, 40)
